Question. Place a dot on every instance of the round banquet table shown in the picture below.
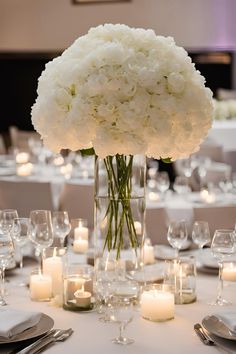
(91, 336)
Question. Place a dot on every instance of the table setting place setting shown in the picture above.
(69, 277)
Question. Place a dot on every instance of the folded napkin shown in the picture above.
(228, 318)
(13, 321)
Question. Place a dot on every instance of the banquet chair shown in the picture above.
(212, 150)
(78, 201)
(225, 94)
(19, 138)
(157, 225)
(218, 217)
(2, 146)
(230, 159)
(25, 196)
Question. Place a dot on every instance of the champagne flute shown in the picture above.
(61, 225)
(201, 233)
(20, 236)
(6, 255)
(177, 235)
(222, 246)
(40, 230)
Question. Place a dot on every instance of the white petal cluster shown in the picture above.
(225, 109)
(123, 90)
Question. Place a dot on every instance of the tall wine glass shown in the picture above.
(7, 219)
(20, 236)
(177, 234)
(40, 230)
(201, 233)
(6, 255)
(222, 246)
(61, 225)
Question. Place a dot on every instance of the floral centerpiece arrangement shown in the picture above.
(123, 91)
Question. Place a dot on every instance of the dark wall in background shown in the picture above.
(19, 74)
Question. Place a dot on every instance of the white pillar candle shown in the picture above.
(138, 227)
(22, 157)
(40, 287)
(80, 246)
(148, 254)
(53, 266)
(229, 272)
(157, 305)
(81, 232)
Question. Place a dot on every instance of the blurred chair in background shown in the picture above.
(218, 217)
(25, 196)
(2, 146)
(19, 138)
(78, 201)
(157, 225)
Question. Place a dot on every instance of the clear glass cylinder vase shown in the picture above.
(120, 182)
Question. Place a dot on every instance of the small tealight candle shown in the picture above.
(22, 157)
(157, 304)
(229, 271)
(82, 298)
(148, 256)
(40, 287)
(80, 246)
(24, 169)
(53, 266)
(81, 232)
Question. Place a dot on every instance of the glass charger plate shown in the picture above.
(218, 328)
(44, 325)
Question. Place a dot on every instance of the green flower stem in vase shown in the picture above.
(119, 205)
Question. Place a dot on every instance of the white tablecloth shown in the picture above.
(91, 336)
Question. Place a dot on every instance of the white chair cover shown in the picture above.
(78, 201)
(218, 217)
(25, 196)
(19, 138)
(157, 225)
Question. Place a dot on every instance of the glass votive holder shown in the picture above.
(54, 260)
(79, 235)
(40, 286)
(78, 287)
(229, 271)
(157, 303)
(180, 276)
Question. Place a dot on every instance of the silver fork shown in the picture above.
(56, 335)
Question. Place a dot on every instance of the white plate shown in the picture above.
(206, 259)
(150, 273)
(44, 325)
(165, 252)
(218, 328)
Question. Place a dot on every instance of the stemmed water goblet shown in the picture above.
(201, 233)
(40, 230)
(222, 246)
(162, 182)
(177, 235)
(20, 236)
(7, 219)
(123, 300)
(61, 225)
(105, 278)
(6, 255)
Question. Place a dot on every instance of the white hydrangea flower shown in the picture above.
(123, 90)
